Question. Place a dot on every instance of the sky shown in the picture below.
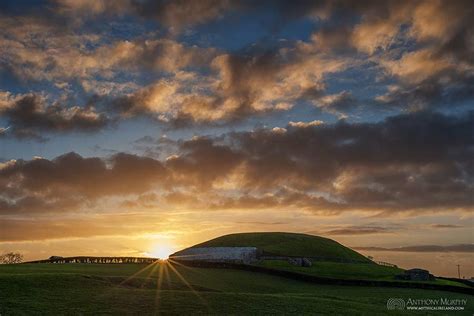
(137, 127)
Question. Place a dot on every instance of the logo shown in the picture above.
(395, 303)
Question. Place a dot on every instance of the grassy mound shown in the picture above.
(288, 244)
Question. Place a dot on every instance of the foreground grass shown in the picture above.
(51, 289)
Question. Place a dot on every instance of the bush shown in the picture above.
(11, 258)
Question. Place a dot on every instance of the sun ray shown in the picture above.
(138, 272)
(167, 273)
(186, 267)
(168, 278)
(150, 273)
(180, 276)
(159, 282)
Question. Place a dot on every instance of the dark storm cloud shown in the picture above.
(29, 115)
(420, 161)
(424, 248)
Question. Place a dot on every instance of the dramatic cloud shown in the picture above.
(422, 48)
(233, 85)
(394, 164)
(29, 114)
(425, 45)
(411, 162)
(64, 55)
(70, 181)
(241, 86)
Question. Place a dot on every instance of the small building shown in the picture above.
(300, 262)
(218, 254)
(416, 275)
(55, 258)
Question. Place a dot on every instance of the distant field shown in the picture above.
(337, 270)
(288, 244)
(109, 289)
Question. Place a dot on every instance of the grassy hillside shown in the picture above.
(92, 289)
(338, 270)
(287, 244)
(351, 271)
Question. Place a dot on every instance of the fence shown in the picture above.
(387, 264)
(105, 260)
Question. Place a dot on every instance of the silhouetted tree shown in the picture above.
(11, 258)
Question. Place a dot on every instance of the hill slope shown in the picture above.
(287, 244)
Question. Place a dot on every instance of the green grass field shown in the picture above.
(337, 270)
(287, 244)
(89, 289)
(359, 271)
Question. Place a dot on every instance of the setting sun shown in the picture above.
(161, 251)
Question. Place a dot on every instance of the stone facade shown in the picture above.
(218, 254)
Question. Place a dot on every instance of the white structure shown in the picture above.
(218, 254)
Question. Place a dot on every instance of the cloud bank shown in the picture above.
(407, 163)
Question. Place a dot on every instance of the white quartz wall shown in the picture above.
(219, 254)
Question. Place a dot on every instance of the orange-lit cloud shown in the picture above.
(382, 167)
(236, 85)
